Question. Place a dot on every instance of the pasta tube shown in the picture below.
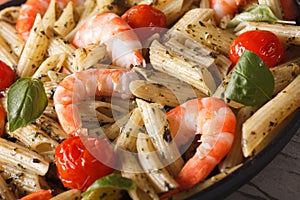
(10, 35)
(158, 130)
(10, 14)
(260, 124)
(165, 60)
(158, 175)
(275, 6)
(5, 192)
(66, 21)
(34, 50)
(24, 181)
(17, 155)
(289, 34)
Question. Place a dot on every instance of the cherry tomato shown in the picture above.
(7, 76)
(290, 9)
(39, 195)
(77, 168)
(142, 16)
(2, 120)
(264, 43)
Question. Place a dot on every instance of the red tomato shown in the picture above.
(2, 120)
(77, 168)
(7, 76)
(39, 195)
(264, 43)
(290, 9)
(142, 16)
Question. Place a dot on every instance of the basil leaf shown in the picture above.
(26, 102)
(114, 181)
(257, 13)
(251, 82)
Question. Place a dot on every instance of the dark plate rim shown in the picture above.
(250, 168)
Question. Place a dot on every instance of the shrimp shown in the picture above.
(122, 44)
(81, 85)
(225, 7)
(30, 9)
(215, 121)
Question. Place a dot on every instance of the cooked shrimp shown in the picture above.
(225, 7)
(121, 42)
(85, 84)
(215, 121)
(30, 9)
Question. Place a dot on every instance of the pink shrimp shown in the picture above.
(225, 7)
(215, 121)
(30, 9)
(121, 42)
(85, 84)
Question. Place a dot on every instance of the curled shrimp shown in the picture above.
(215, 121)
(30, 9)
(225, 7)
(122, 44)
(85, 84)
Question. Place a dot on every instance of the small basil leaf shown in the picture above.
(258, 13)
(26, 101)
(113, 181)
(251, 82)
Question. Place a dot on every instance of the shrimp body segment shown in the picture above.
(87, 84)
(30, 9)
(121, 42)
(225, 7)
(216, 123)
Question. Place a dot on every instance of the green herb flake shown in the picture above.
(251, 82)
(26, 102)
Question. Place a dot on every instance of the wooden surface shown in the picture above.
(280, 180)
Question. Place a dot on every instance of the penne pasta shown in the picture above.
(158, 130)
(66, 21)
(34, 50)
(10, 35)
(128, 134)
(5, 192)
(162, 181)
(289, 34)
(59, 46)
(260, 124)
(17, 155)
(7, 55)
(34, 138)
(131, 169)
(21, 181)
(52, 63)
(10, 14)
(203, 32)
(49, 17)
(197, 75)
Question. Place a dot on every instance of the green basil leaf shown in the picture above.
(26, 101)
(257, 13)
(251, 82)
(113, 181)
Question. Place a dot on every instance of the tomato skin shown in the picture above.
(264, 43)
(77, 168)
(143, 16)
(7, 76)
(39, 195)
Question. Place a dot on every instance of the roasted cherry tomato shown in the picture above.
(2, 120)
(77, 167)
(264, 43)
(7, 76)
(142, 16)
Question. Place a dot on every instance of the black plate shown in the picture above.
(251, 167)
